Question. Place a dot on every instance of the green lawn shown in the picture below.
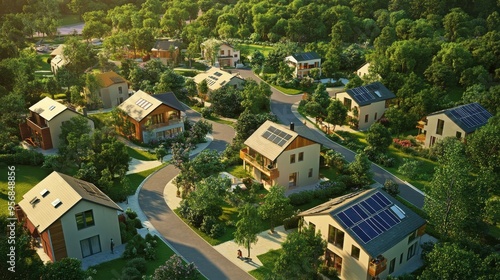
(238, 171)
(268, 259)
(44, 66)
(113, 269)
(140, 154)
(102, 119)
(290, 91)
(219, 120)
(69, 20)
(250, 48)
(26, 177)
(186, 72)
(119, 192)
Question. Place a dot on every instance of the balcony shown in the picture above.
(270, 171)
(37, 127)
(377, 265)
(170, 122)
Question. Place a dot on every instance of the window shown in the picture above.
(84, 219)
(412, 236)
(355, 252)
(411, 251)
(221, 52)
(292, 158)
(459, 135)
(301, 156)
(120, 90)
(90, 246)
(401, 258)
(334, 260)
(310, 174)
(392, 265)
(375, 118)
(156, 119)
(348, 103)
(366, 118)
(439, 128)
(235, 55)
(336, 236)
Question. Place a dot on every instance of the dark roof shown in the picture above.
(164, 44)
(468, 117)
(169, 98)
(306, 56)
(382, 242)
(366, 95)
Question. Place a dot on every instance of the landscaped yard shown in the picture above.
(26, 177)
(238, 171)
(291, 91)
(102, 119)
(113, 269)
(119, 192)
(268, 259)
(250, 48)
(140, 154)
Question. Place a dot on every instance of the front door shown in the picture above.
(292, 179)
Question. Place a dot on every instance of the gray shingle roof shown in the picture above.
(368, 94)
(169, 98)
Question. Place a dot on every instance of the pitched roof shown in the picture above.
(48, 108)
(169, 99)
(139, 105)
(216, 78)
(355, 214)
(40, 204)
(165, 44)
(271, 139)
(59, 60)
(468, 117)
(58, 51)
(110, 78)
(368, 94)
(305, 56)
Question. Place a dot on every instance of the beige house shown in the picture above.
(43, 125)
(369, 234)
(217, 78)
(58, 62)
(70, 217)
(366, 104)
(219, 53)
(166, 50)
(114, 89)
(277, 155)
(303, 63)
(455, 122)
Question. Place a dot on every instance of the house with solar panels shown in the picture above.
(43, 124)
(71, 218)
(113, 89)
(152, 118)
(217, 78)
(366, 104)
(277, 155)
(456, 122)
(303, 63)
(369, 234)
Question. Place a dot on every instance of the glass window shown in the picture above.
(355, 252)
(366, 118)
(401, 258)
(375, 118)
(412, 236)
(221, 52)
(120, 90)
(90, 246)
(459, 135)
(84, 219)
(301, 156)
(392, 265)
(292, 158)
(310, 172)
(347, 103)
(440, 127)
(313, 226)
(411, 251)
(336, 236)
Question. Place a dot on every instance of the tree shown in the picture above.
(359, 170)
(80, 55)
(337, 113)
(248, 122)
(175, 269)
(456, 24)
(247, 227)
(276, 206)
(301, 255)
(203, 88)
(256, 97)
(66, 268)
(169, 81)
(451, 202)
(379, 138)
(226, 101)
(206, 163)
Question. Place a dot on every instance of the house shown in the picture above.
(369, 234)
(57, 51)
(277, 155)
(219, 53)
(114, 89)
(152, 117)
(363, 70)
(366, 104)
(456, 122)
(70, 217)
(58, 62)
(217, 78)
(166, 50)
(303, 63)
(43, 125)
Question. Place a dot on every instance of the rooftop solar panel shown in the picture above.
(276, 136)
(361, 234)
(470, 115)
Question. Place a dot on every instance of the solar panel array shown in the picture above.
(143, 104)
(211, 80)
(277, 136)
(362, 94)
(218, 74)
(370, 217)
(471, 115)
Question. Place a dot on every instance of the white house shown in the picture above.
(303, 63)
(217, 78)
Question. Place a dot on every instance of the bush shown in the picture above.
(131, 273)
(291, 222)
(137, 223)
(301, 198)
(385, 160)
(410, 168)
(391, 187)
(149, 251)
(217, 230)
(134, 247)
(22, 156)
(207, 224)
(151, 239)
(131, 214)
(207, 112)
(138, 263)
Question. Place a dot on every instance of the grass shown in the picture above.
(268, 260)
(101, 119)
(221, 121)
(238, 171)
(290, 91)
(26, 177)
(140, 154)
(113, 269)
(43, 63)
(250, 48)
(119, 191)
(186, 72)
(69, 20)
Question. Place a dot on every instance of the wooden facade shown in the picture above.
(58, 241)
(299, 142)
(163, 110)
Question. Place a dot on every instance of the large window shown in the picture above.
(336, 236)
(84, 219)
(120, 90)
(355, 252)
(348, 103)
(90, 246)
(334, 260)
(310, 174)
(366, 118)
(458, 135)
(412, 237)
(440, 127)
(411, 251)
(158, 118)
(392, 265)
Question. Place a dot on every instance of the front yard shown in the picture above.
(268, 259)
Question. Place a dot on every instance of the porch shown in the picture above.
(263, 164)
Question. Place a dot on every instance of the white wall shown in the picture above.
(450, 128)
(56, 122)
(311, 160)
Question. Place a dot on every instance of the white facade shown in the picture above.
(366, 115)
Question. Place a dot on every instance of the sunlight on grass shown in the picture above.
(250, 48)
(140, 154)
(238, 171)
(69, 20)
(290, 91)
(268, 259)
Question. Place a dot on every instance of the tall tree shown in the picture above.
(247, 227)
(337, 113)
(379, 138)
(276, 206)
(359, 169)
(256, 97)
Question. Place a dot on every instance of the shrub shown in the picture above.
(410, 168)
(301, 198)
(391, 187)
(131, 273)
(151, 239)
(217, 230)
(207, 224)
(131, 214)
(174, 268)
(385, 160)
(22, 156)
(134, 247)
(138, 263)
(207, 112)
(291, 222)
(149, 251)
(137, 223)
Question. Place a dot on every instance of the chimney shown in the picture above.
(292, 126)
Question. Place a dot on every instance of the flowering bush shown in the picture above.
(398, 143)
(175, 269)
